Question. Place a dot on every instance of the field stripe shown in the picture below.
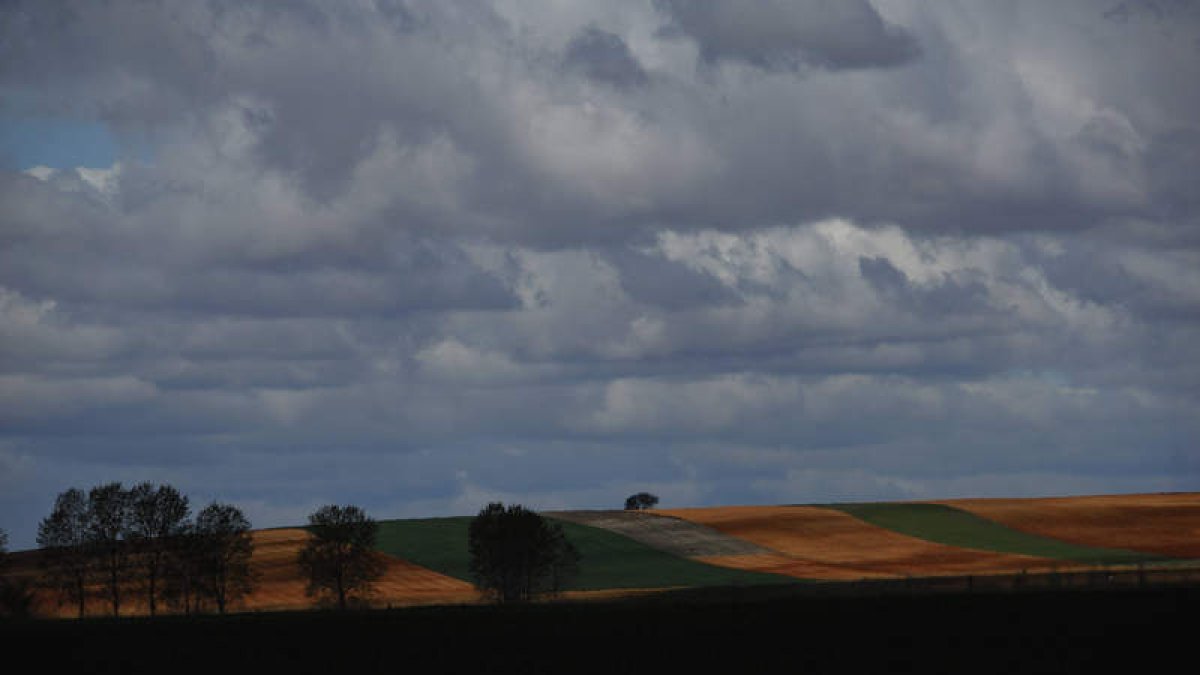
(608, 560)
(672, 535)
(1166, 524)
(825, 543)
(954, 527)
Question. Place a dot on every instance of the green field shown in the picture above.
(608, 560)
(948, 525)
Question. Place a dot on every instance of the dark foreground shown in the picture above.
(784, 629)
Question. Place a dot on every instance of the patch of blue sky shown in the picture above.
(55, 142)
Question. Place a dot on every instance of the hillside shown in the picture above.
(637, 552)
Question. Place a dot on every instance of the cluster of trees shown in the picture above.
(143, 540)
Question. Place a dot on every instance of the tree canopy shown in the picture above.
(223, 545)
(640, 501)
(340, 556)
(63, 536)
(517, 555)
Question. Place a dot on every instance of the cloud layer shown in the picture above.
(419, 255)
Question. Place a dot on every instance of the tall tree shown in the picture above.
(108, 524)
(223, 536)
(157, 518)
(66, 558)
(183, 570)
(340, 556)
(516, 555)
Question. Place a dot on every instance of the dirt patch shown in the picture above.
(666, 533)
(819, 543)
(1166, 524)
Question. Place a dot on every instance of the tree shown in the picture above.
(339, 557)
(157, 518)
(640, 502)
(183, 570)
(108, 523)
(517, 555)
(16, 596)
(223, 549)
(63, 538)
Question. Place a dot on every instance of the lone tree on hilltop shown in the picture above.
(223, 548)
(63, 536)
(640, 502)
(340, 558)
(516, 555)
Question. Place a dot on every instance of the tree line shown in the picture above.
(143, 541)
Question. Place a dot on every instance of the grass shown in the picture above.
(955, 527)
(439, 544)
(608, 560)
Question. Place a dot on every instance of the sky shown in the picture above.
(419, 255)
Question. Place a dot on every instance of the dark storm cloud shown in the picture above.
(604, 57)
(777, 35)
(435, 253)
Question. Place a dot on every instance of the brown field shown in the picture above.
(800, 541)
(818, 543)
(1167, 524)
(279, 586)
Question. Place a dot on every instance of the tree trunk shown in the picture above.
(81, 590)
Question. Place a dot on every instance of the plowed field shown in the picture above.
(820, 543)
(1165, 524)
(281, 585)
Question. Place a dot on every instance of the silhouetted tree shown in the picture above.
(16, 597)
(108, 524)
(517, 555)
(183, 570)
(223, 550)
(157, 517)
(66, 559)
(640, 501)
(339, 557)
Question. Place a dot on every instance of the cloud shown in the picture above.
(553, 252)
(789, 35)
(604, 57)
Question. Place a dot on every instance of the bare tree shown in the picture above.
(157, 517)
(66, 559)
(340, 557)
(224, 549)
